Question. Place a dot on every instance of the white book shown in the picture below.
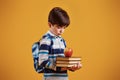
(67, 62)
(64, 65)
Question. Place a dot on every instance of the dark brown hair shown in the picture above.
(58, 16)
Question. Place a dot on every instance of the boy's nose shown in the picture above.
(61, 30)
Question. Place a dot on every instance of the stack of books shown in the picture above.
(67, 61)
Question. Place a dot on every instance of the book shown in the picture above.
(67, 62)
(68, 58)
(64, 65)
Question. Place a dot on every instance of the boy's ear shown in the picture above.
(49, 24)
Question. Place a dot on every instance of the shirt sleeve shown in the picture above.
(45, 45)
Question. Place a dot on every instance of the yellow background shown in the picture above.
(94, 34)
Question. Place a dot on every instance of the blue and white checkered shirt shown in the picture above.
(52, 46)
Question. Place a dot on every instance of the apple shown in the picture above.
(68, 52)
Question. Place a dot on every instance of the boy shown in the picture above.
(53, 45)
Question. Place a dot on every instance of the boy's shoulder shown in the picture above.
(46, 39)
(47, 36)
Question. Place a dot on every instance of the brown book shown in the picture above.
(68, 58)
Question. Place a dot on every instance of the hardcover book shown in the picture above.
(67, 61)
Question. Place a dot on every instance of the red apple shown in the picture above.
(68, 52)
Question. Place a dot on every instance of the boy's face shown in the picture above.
(57, 30)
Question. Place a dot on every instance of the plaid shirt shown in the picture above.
(52, 46)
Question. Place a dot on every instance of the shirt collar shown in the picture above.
(49, 32)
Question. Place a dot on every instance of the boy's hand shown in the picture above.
(75, 67)
(64, 68)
